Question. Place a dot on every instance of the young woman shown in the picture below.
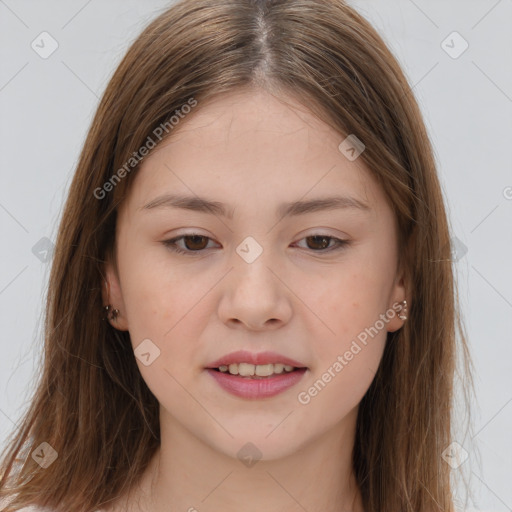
(252, 304)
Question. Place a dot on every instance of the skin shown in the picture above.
(253, 152)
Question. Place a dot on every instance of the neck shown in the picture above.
(187, 474)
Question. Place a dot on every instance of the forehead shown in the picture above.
(252, 147)
(231, 116)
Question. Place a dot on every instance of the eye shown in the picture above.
(196, 243)
(193, 243)
(321, 243)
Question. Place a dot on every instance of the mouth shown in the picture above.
(256, 387)
(256, 376)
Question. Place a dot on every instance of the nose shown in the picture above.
(255, 296)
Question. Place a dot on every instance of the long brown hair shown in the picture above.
(91, 404)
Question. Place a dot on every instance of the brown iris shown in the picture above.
(196, 242)
(324, 241)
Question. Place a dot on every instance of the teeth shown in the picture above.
(259, 370)
(264, 370)
(278, 368)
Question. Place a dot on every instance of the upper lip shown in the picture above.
(243, 356)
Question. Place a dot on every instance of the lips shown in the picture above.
(261, 358)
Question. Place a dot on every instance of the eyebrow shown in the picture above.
(204, 205)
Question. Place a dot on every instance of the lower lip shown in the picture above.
(245, 387)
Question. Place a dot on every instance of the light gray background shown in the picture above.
(46, 106)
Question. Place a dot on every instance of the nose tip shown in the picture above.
(252, 296)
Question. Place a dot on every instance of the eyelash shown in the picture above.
(171, 244)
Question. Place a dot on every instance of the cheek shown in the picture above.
(167, 309)
(155, 294)
(337, 388)
(352, 302)
(351, 307)
(346, 359)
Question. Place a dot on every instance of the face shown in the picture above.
(318, 286)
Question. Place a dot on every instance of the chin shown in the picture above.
(256, 445)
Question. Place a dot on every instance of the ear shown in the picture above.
(396, 306)
(112, 294)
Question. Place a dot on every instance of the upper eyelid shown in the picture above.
(184, 235)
